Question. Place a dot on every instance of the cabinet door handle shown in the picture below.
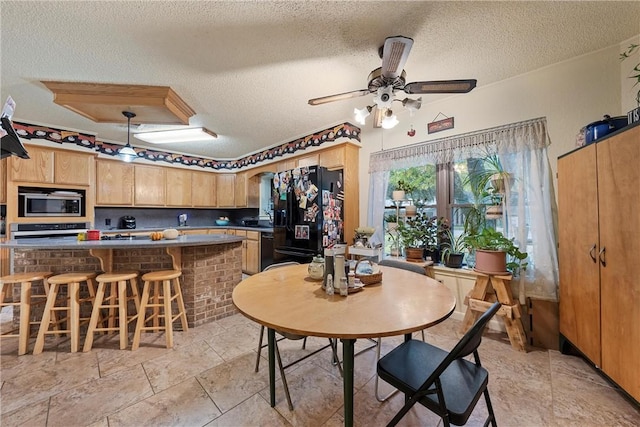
(592, 252)
(603, 261)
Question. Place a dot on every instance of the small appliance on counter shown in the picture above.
(127, 222)
(182, 220)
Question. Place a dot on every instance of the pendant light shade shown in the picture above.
(127, 153)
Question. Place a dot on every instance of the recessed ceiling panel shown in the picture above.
(104, 103)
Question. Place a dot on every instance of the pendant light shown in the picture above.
(127, 153)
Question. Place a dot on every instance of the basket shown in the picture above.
(368, 279)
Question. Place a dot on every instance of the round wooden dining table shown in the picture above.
(286, 299)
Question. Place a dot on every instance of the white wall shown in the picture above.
(570, 94)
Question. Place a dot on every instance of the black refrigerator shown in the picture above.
(308, 212)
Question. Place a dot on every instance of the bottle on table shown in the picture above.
(344, 290)
(329, 286)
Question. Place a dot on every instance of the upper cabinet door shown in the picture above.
(333, 158)
(149, 185)
(203, 189)
(241, 190)
(178, 187)
(226, 183)
(73, 168)
(114, 183)
(38, 168)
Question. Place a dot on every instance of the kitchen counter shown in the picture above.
(211, 264)
(210, 227)
(67, 243)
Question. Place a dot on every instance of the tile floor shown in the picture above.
(208, 380)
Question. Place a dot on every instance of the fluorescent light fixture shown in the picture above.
(178, 135)
(390, 120)
(361, 115)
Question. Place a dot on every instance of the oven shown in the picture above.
(48, 231)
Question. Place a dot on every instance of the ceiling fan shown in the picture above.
(391, 77)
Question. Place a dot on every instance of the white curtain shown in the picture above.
(530, 204)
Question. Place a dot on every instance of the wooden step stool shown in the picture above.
(161, 297)
(117, 300)
(71, 306)
(24, 280)
(487, 290)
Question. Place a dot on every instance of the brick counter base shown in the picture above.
(209, 273)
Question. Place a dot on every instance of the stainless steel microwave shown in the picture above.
(56, 203)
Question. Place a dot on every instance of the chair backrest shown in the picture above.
(403, 265)
(280, 264)
(467, 344)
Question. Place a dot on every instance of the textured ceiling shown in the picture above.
(248, 68)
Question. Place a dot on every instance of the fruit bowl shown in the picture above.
(222, 221)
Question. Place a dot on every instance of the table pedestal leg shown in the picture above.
(347, 365)
(271, 339)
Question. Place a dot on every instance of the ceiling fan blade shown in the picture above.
(441, 86)
(394, 55)
(339, 97)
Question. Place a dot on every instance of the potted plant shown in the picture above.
(402, 188)
(492, 249)
(392, 221)
(453, 249)
(436, 228)
(413, 234)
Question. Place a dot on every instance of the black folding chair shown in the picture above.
(444, 382)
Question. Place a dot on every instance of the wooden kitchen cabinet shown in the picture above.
(178, 187)
(226, 187)
(308, 160)
(285, 165)
(241, 190)
(333, 158)
(73, 168)
(203, 189)
(3, 180)
(49, 166)
(149, 184)
(599, 250)
(38, 168)
(114, 183)
(250, 250)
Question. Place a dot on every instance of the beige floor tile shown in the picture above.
(316, 395)
(37, 384)
(231, 383)
(575, 399)
(255, 411)
(184, 404)
(92, 401)
(235, 341)
(111, 359)
(178, 364)
(32, 415)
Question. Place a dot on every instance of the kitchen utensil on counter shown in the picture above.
(127, 222)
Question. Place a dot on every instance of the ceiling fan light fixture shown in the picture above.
(384, 97)
(362, 114)
(177, 135)
(412, 105)
(390, 120)
(127, 153)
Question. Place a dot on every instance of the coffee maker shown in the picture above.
(127, 222)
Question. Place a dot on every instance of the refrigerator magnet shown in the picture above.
(302, 232)
(302, 204)
(312, 192)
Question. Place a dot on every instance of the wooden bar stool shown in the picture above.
(117, 300)
(71, 306)
(24, 280)
(161, 297)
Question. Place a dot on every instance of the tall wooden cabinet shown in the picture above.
(599, 251)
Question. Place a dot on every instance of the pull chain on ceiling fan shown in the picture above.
(389, 78)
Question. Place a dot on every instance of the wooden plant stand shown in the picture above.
(487, 290)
